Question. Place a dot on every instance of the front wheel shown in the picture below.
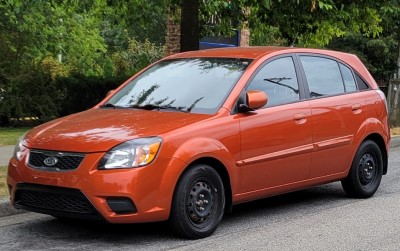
(199, 202)
(366, 170)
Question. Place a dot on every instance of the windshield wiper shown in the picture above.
(157, 107)
(277, 81)
(109, 105)
(315, 94)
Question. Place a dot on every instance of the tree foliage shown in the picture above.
(88, 41)
(312, 23)
(368, 28)
(379, 53)
(36, 29)
(42, 40)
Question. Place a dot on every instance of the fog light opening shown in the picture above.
(121, 205)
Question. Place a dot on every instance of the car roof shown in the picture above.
(254, 52)
(258, 52)
(231, 52)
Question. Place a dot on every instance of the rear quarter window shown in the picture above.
(362, 85)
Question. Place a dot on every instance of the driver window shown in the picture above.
(278, 80)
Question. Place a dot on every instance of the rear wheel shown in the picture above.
(366, 171)
(199, 202)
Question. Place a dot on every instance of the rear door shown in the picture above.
(338, 111)
(276, 140)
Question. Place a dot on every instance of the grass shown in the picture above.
(3, 185)
(10, 135)
(395, 131)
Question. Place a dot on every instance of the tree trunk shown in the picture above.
(398, 61)
(398, 55)
(190, 31)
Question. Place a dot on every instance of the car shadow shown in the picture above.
(315, 196)
(74, 232)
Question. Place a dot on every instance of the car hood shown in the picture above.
(99, 130)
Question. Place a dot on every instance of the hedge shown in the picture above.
(40, 97)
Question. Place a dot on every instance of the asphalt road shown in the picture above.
(320, 218)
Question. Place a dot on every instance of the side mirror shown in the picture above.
(110, 92)
(254, 99)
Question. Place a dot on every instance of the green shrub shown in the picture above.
(79, 92)
(136, 57)
(47, 90)
(30, 94)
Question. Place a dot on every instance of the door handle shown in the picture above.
(356, 108)
(300, 118)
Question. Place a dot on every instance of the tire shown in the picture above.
(365, 174)
(199, 203)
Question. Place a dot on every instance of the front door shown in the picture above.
(276, 140)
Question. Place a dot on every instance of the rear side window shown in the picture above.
(348, 79)
(278, 80)
(323, 76)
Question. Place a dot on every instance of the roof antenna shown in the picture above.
(294, 40)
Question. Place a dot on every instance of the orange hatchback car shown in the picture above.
(195, 133)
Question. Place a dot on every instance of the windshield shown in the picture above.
(198, 85)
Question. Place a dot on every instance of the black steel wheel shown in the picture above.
(365, 174)
(199, 202)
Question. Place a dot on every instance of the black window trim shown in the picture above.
(352, 74)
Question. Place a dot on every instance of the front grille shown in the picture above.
(54, 161)
(52, 200)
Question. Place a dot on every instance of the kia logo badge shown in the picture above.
(50, 161)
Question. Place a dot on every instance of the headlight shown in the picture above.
(20, 148)
(133, 153)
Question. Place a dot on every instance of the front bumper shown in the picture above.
(118, 196)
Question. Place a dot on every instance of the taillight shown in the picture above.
(382, 95)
